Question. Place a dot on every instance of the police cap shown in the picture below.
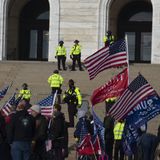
(56, 71)
(76, 41)
(61, 42)
(24, 85)
(71, 82)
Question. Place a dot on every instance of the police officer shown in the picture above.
(75, 55)
(61, 55)
(73, 98)
(55, 81)
(118, 132)
(25, 93)
(108, 39)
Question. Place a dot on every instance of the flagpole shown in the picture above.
(126, 40)
(54, 99)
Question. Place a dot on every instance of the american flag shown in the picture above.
(7, 107)
(136, 92)
(3, 92)
(107, 57)
(47, 105)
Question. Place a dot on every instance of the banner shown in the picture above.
(144, 111)
(114, 88)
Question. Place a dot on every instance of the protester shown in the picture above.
(21, 133)
(73, 98)
(108, 134)
(84, 126)
(118, 132)
(4, 146)
(38, 142)
(56, 132)
(75, 55)
(61, 55)
(147, 146)
(55, 81)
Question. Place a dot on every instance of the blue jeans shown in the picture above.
(21, 150)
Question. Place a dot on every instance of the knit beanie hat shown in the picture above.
(36, 108)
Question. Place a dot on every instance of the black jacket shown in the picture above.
(41, 128)
(22, 127)
(57, 128)
(2, 129)
(109, 126)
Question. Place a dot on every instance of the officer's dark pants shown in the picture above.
(58, 93)
(72, 111)
(63, 60)
(118, 150)
(78, 59)
(109, 148)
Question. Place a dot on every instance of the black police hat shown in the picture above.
(61, 42)
(76, 41)
(56, 71)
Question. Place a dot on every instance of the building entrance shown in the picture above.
(135, 21)
(34, 31)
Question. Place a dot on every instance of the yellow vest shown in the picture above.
(60, 51)
(78, 95)
(55, 80)
(75, 50)
(118, 130)
(25, 94)
(110, 39)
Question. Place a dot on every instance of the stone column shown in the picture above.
(155, 56)
(53, 28)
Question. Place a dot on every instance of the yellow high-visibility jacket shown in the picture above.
(111, 39)
(75, 50)
(25, 94)
(118, 130)
(73, 96)
(61, 51)
(55, 80)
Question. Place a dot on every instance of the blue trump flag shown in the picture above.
(144, 111)
(140, 115)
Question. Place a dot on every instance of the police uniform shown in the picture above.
(74, 100)
(55, 81)
(25, 94)
(118, 132)
(108, 40)
(75, 55)
(61, 55)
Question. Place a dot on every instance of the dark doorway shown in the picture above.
(34, 27)
(135, 21)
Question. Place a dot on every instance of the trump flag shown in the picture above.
(114, 88)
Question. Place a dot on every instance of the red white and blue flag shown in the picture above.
(6, 109)
(47, 105)
(3, 92)
(136, 92)
(107, 57)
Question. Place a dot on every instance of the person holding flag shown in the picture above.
(38, 142)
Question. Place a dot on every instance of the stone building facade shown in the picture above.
(31, 29)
